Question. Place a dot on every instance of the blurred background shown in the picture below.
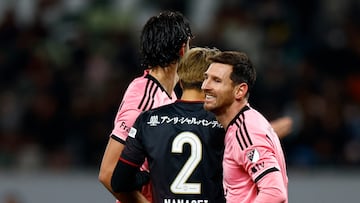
(65, 64)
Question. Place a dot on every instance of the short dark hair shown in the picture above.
(162, 38)
(243, 69)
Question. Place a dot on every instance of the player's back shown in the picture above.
(184, 148)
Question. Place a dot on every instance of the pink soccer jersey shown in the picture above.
(142, 94)
(254, 165)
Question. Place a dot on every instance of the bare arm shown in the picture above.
(109, 161)
(127, 180)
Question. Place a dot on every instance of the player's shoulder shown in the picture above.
(256, 123)
(164, 109)
(140, 81)
(138, 86)
(152, 117)
(250, 118)
(254, 116)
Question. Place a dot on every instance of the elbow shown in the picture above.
(282, 198)
(279, 196)
(105, 178)
(112, 180)
(275, 195)
(102, 178)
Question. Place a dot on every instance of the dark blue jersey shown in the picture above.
(184, 146)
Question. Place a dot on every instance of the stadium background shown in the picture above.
(64, 65)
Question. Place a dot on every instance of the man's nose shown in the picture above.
(204, 84)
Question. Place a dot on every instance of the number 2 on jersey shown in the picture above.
(179, 185)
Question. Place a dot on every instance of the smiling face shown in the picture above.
(218, 88)
(227, 83)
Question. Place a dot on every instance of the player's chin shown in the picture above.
(208, 106)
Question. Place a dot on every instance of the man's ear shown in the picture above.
(240, 90)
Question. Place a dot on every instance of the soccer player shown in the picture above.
(164, 40)
(254, 165)
(182, 142)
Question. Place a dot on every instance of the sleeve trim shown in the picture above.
(128, 162)
(118, 139)
(273, 169)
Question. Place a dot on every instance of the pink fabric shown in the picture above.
(139, 90)
(142, 94)
(253, 153)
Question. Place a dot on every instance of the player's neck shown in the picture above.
(167, 76)
(228, 114)
(192, 95)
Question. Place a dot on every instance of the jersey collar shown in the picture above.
(245, 108)
(150, 77)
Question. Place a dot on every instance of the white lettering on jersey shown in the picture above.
(154, 121)
(185, 201)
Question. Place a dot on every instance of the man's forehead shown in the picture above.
(218, 69)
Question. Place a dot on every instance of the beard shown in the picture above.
(218, 103)
(216, 108)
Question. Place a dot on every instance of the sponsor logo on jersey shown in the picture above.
(154, 121)
(257, 167)
(123, 126)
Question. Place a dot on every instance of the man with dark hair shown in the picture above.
(164, 40)
(254, 164)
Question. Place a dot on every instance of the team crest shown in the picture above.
(253, 155)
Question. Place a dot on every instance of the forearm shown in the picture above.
(109, 161)
(141, 178)
(106, 181)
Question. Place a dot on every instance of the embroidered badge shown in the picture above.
(253, 155)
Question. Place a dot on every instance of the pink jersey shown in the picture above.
(254, 164)
(142, 94)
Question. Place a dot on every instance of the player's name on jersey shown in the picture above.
(156, 120)
(186, 201)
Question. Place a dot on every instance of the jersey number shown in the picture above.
(179, 185)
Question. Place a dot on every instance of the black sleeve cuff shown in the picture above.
(118, 139)
(128, 178)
